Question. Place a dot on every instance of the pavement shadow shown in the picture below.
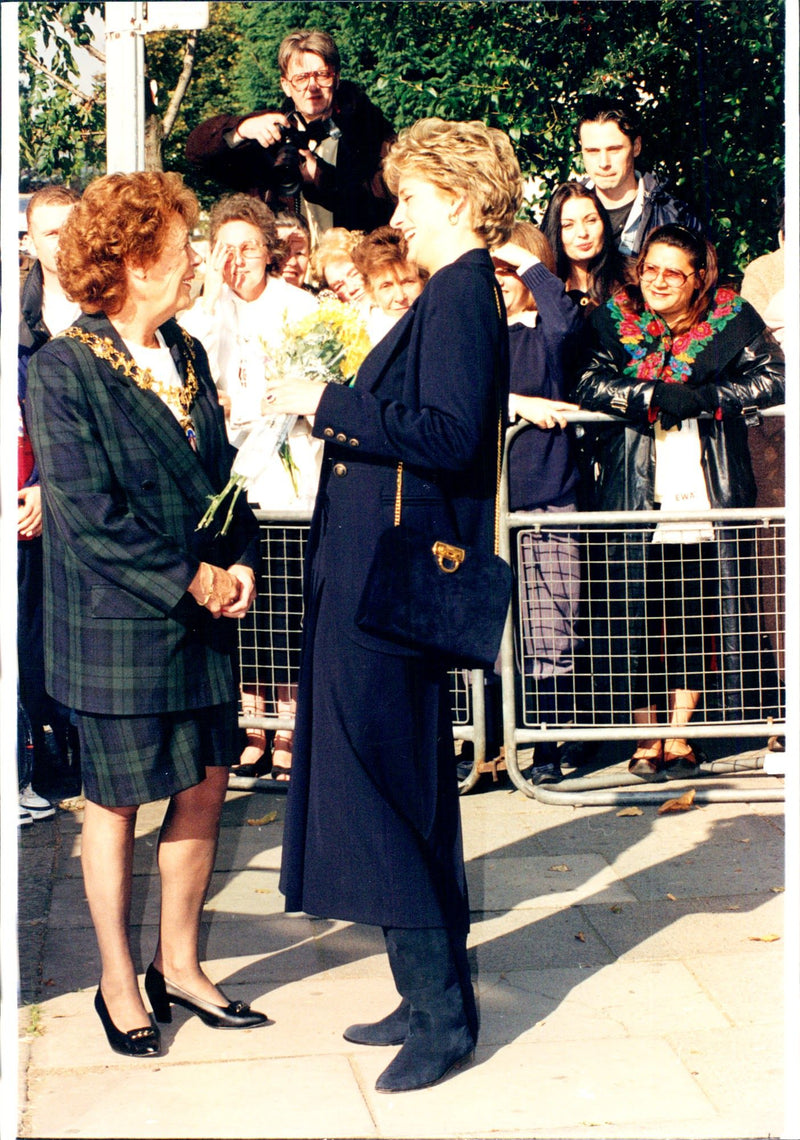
(569, 898)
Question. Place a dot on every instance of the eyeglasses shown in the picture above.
(323, 78)
(672, 277)
(249, 250)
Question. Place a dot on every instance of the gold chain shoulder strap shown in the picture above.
(398, 495)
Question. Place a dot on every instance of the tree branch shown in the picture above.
(185, 76)
(92, 50)
(56, 78)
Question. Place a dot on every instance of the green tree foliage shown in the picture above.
(707, 76)
(62, 129)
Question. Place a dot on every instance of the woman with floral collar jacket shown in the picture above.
(686, 365)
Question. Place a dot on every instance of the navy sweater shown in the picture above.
(541, 463)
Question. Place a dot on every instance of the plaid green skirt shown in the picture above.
(129, 760)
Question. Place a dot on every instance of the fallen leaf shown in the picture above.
(630, 811)
(616, 909)
(262, 891)
(560, 867)
(745, 840)
(580, 936)
(270, 817)
(671, 898)
(682, 803)
(777, 890)
(765, 937)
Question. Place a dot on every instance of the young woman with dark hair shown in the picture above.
(579, 231)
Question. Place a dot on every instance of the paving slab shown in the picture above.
(535, 1086)
(625, 971)
(278, 1098)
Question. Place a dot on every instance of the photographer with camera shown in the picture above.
(320, 155)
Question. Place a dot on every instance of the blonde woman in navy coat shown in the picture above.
(372, 831)
(140, 609)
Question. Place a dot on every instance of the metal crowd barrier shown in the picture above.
(266, 649)
(600, 553)
(603, 553)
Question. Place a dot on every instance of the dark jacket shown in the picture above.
(122, 493)
(658, 208)
(541, 463)
(735, 357)
(352, 190)
(371, 831)
(743, 361)
(33, 333)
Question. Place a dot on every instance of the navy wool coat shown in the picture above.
(122, 494)
(372, 831)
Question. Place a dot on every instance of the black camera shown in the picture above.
(294, 138)
(299, 135)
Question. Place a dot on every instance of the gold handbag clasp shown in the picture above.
(448, 557)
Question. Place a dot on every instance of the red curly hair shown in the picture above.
(121, 220)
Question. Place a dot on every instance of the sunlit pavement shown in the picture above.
(628, 968)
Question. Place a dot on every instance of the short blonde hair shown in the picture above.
(121, 219)
(336, 242)
(466, 158)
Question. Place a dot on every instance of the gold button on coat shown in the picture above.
(340, 469)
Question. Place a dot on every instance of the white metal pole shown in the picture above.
(125, 103)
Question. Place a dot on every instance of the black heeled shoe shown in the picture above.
(163, 993)
(144, 1042)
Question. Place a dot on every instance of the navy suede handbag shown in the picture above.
(436, 596)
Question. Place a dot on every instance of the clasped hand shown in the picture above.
(224, 593)
(678, 402)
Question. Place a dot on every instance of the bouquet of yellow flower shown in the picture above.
(328, 345)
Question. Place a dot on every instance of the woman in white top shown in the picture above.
(245, 308)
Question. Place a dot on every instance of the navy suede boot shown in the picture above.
(390, 1030)
(439, 1035)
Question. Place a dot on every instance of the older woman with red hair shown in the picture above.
(140, 607)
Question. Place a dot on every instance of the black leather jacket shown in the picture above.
(745, 364)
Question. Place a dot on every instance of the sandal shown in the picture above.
(648, 759)
(681, 756)
(282, 746)
(257, 747)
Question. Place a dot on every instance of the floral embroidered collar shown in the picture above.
(654, 353)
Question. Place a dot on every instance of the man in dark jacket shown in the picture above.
(44, 311)
(331, 172)
(610, 137)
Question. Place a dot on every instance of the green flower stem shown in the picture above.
(234, 488)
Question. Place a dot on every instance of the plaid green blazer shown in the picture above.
(122, 493)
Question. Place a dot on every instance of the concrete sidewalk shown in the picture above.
(628, 969)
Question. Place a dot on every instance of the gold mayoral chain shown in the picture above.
(181, 400)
